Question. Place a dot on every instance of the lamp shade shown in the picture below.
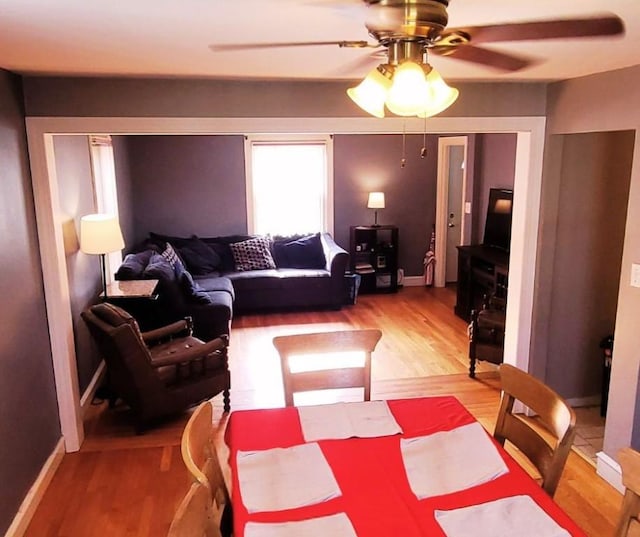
(100, 234)
(408, 90)
(439, 96)
(371, 93)
(376, 200)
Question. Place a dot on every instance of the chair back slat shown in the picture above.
(628, 521)
(200, 456)
(339, 341)
(197, 515)
(549, 448)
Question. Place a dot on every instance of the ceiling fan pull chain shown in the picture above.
(423, 151)
(403, 160)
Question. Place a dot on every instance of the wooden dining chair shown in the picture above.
(201, 459)
(546, 449)
(326, 343)
(197, 515)
(629, 519)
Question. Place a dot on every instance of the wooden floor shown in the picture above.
(120, 484)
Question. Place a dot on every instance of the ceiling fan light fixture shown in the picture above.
(440, 95)
(407, 93)
(371, 93)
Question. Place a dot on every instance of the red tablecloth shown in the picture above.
(375, 491)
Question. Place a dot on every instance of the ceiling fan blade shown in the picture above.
(363, 63)
(250, 46)
(484, 56)
(547, 29)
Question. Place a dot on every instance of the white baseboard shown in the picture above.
(36, 492)
(89, 393)
(592, 400)
(609, 470)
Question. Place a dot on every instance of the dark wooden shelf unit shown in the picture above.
(482, 270)
(374, 255)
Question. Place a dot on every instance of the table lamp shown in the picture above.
(376, 201)
(100, 234)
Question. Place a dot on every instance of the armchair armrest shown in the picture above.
(185, 324)
(191, 353)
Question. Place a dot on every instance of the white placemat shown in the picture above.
(337, 525)
(366, 419)
(449, 461)
(285, 478)
(516, 516)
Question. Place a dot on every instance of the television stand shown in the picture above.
(482, 270)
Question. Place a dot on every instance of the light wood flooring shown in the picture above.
(120, 484)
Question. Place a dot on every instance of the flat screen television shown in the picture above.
(497, 229)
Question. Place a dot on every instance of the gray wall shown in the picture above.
(495, 166)
(29, 425)
(106, 97)
(366, 163)
(593, 195)
(184, 185)
(608, 102)
(76, 198)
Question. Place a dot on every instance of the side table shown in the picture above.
(137, 297)
(130, 289)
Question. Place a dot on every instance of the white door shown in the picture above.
(454, 210)
(450, 204)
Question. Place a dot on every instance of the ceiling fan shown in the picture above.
(406, 31)
(423, 23)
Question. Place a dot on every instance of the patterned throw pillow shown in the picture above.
(170, 255)
(253, 254)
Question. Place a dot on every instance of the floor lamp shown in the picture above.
(99, 235)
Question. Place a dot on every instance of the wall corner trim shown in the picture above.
(36, 492)
(610, 471)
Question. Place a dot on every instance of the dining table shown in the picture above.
(432, 470)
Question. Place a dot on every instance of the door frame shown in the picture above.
(41, 130)
(442, 202)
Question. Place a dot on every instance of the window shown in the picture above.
(289, 185)
(105, 192)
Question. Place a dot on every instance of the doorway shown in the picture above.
(40, 132)
(450, 207)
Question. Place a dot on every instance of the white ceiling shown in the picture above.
(171, 38)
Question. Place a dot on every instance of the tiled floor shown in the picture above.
(589, 431)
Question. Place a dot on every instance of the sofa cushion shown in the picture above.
(133, 265)
(304, 252)
(216, 283)
(252, 254)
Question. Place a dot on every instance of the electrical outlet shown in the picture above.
(635, 275)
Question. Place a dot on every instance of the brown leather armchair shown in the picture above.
(160, 372)
(486, 333)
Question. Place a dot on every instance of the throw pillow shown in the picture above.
(159, 269)
(220, 245)
(304, 252)
(253, 254)
(192, 291)
(170, 255)
(198, 256)
(133, 265)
